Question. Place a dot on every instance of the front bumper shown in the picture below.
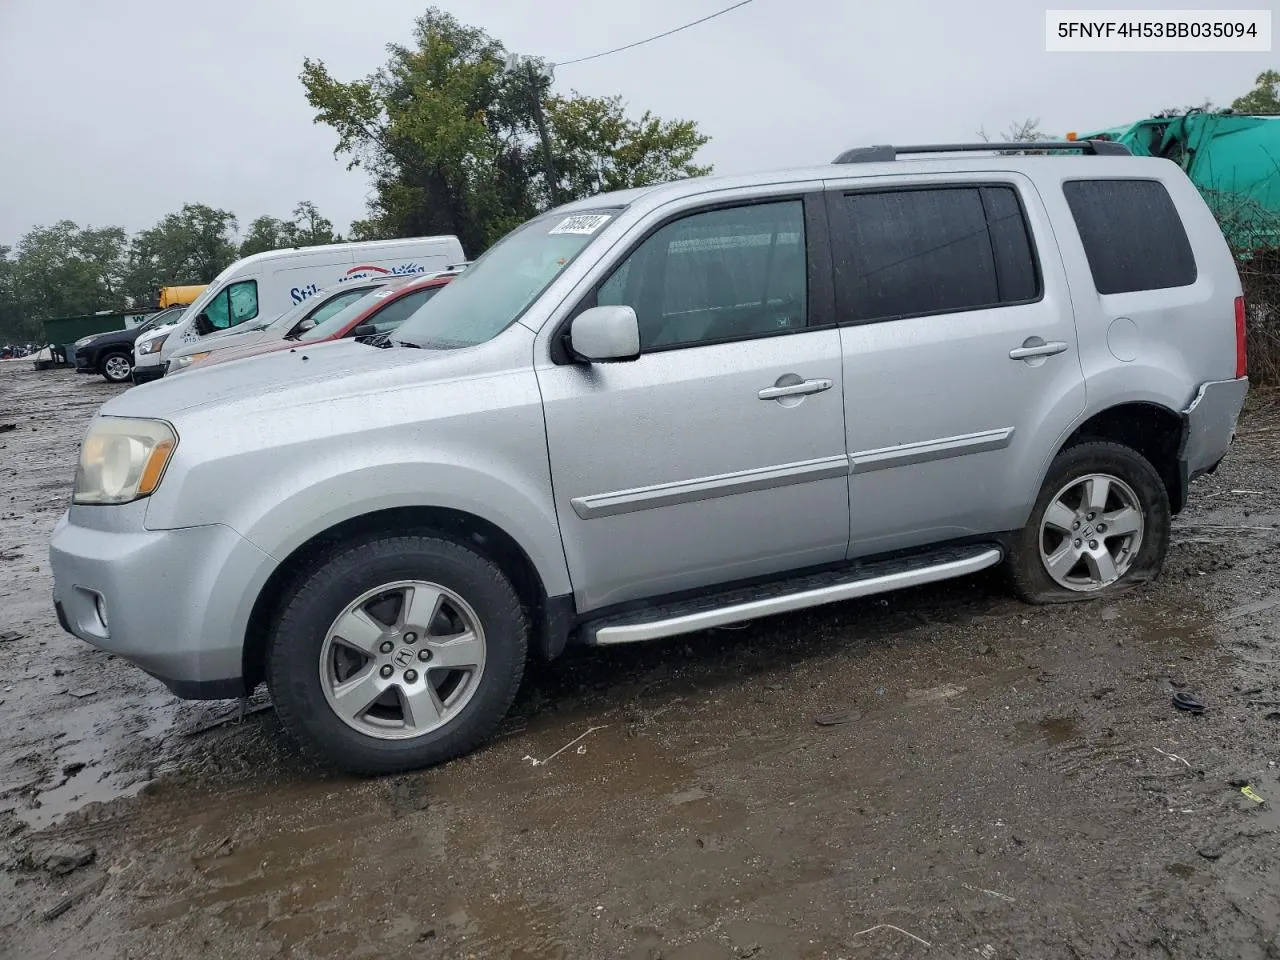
(146, 374)
(176, 601)
(84, 364)
(1210, 426)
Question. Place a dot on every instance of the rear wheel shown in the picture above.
(116, 367)
(396, 653)
(1099, 526)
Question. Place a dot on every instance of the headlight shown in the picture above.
(83, 340)
(178, 364)
(152, 346)
(123, 460)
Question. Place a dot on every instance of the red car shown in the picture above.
(378, 312)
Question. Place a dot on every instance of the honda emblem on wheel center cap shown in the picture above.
(403, 657)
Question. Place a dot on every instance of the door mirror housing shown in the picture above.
(365, 330)
(605, 335)
(203, 325)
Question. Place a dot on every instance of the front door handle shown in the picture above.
(1035, 347)
(795, 389)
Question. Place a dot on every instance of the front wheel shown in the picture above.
(397, 653)
(116, 367)
(1099, 526)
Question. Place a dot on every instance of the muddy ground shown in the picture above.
(987, 780)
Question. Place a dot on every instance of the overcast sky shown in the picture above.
(118, 112)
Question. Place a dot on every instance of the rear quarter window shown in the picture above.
(1132, 235)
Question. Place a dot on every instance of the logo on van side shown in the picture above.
(362, 272)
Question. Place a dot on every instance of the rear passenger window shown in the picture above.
(1132, 235)
(928, 251)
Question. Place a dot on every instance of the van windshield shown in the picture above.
(492, 293)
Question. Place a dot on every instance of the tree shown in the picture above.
(451, 137)
(1264, 98)
(1019, 131)
(265, 233)
(1204, 106)
(308, 228)
(598, 148)
(16, 323)
(193, 245)
(63, 270)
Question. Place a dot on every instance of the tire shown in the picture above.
(309, 671)
(1132, 483)
(116, 367)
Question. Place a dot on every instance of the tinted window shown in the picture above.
(1016, 271)
(718, 275)
(330, 307)
(1132, 235)
(390, 317)
(918, 252)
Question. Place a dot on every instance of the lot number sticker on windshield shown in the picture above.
(583, 224)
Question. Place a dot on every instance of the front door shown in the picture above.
(961, 366)
(719, 454)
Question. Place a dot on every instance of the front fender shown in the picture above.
(311, 509)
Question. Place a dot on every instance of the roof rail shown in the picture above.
(886, 152)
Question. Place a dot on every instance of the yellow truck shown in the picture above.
(180, 296)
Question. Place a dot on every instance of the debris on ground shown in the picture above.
(89, 888)
(1185, 701)
(62, 858)
(836, 718)
(6, 427)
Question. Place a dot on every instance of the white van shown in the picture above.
(265, 285)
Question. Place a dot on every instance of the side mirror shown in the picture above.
(203, 325)
(365, 330)
(605, 335)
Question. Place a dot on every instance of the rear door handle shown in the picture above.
(1035, 347)
(796, 389)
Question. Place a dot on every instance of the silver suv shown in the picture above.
(667, 409)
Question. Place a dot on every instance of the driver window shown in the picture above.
(714, 276)
(233, 305)
(243, 298)
(216, 311)
(329, 308)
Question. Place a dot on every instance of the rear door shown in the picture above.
(960, 359)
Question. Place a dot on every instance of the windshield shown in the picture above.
(335, 323)
(492, 293)
(164, 316)
(330, 302)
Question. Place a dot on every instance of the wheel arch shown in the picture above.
(551, 616)
(1149, 427)
(110, 350)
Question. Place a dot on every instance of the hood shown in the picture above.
(251, 350)
(217, 345)
(113, 336)
(155, 332)
(286, 378)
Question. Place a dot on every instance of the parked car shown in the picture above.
(378, 313)
(269, 283)
(111, 354)
(667, 409)
(315, 309)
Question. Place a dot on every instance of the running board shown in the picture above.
(796, 593)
